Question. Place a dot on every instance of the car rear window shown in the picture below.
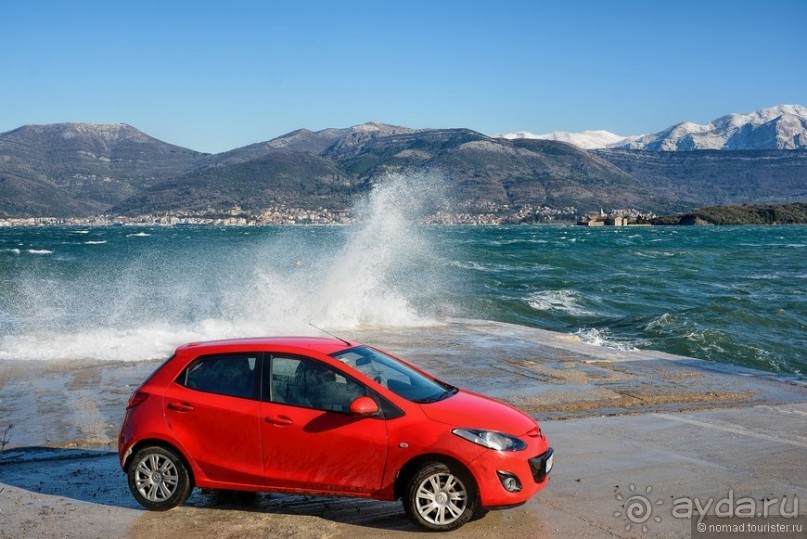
(233, 374)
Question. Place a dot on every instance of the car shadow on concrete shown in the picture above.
(94, 476)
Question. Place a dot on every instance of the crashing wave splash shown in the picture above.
(368, 280)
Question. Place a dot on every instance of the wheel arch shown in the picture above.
(150, 442)
(410, 468)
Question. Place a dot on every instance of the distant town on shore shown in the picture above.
(750, 214)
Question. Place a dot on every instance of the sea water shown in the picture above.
(734, 295)
(729, 294)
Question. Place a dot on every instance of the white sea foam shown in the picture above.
(655, 254)
(772, 244)
(566, 301)
(40, 251)
(660, 322)
(767, 276)
(469, 265)
(95, 242)
(98, 343)
(591, 336)
(602, 337)
(146, 341)
(138, 235)
(495, 268)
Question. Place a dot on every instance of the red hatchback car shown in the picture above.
(325, 416)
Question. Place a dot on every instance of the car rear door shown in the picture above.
(213, 410)
(310, 440)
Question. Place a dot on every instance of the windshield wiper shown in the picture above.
(449, 392)
(442, 396)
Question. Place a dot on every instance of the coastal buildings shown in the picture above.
(482, 214)
(616, 218)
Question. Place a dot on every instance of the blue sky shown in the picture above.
(215, 76)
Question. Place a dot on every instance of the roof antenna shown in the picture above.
(331, 334)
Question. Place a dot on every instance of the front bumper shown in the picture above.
(532, 474)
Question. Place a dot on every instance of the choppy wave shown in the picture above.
(686, 291)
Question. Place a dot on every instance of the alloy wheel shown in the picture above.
(156, 477)
(441, 498)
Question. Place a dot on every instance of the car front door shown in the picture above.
(310, 439)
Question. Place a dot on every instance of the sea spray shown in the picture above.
(381, 273)
(385, 260)
(136, 300)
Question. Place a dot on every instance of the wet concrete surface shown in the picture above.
(624, 424)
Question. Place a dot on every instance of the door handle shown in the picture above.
(180, 406)
(279, 420)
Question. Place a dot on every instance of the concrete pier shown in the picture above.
(628, 427)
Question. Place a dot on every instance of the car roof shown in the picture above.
(322, 345)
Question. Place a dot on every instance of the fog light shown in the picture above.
(509, 481)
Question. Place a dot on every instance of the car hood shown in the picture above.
(466, 409)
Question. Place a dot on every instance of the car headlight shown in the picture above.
(498, 441)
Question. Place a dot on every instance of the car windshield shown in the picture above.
(394, 375)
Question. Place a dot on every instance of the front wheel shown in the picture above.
(158, 478)
(440, 498)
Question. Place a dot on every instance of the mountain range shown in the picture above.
(73, 170)
(783, 127)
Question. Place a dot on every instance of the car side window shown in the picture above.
(312, 384)
(233, 375)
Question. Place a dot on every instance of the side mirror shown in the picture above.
(363, 407)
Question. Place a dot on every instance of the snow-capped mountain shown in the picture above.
(588, 140)
(783, 127)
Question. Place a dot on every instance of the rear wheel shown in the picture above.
(440, 497)
(158, 478)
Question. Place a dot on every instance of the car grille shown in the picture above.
(538, 466)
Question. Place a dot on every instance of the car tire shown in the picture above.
(158, 478)
(440, 497)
